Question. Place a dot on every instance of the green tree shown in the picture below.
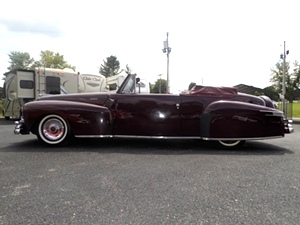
(270, 91)
(160, 86)
(192, 84)
(110, 67)
(50, 59)
(296, 76)
(277, 80)
(20, 60)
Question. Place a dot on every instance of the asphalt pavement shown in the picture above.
(97, 181)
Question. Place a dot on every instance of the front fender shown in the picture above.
(239, 120)
(83, 118)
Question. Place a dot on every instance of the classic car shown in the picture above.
(219, 114)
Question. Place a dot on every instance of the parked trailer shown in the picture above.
(21, 86)
(92, 83)
(99, 83)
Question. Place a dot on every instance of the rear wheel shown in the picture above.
(54, 130)
(231, 144)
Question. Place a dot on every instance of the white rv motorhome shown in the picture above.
(21, 86)
(92, 83)
(99, 83)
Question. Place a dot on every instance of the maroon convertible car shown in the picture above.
(220, 114)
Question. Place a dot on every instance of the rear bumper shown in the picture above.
(20, 127)
(288, 126)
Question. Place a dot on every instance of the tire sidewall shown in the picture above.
(224, 145)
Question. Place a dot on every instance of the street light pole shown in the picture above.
(283, 56)
(167, 50)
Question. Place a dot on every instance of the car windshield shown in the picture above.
(130, 85)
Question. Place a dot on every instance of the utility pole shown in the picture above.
(283, 57)
(167, 50)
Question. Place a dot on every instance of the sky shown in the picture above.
(214, 43)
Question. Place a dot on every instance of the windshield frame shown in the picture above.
(129, 85)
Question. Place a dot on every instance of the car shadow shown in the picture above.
(4, 122)
(150, 147)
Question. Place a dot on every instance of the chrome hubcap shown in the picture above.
(53, 129)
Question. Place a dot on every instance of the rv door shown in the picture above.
(25, 84)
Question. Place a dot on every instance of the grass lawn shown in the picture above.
(295, 107)
(296, 110)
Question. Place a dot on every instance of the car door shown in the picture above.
(146, 115)
(191, 109)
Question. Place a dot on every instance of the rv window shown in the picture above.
(113, 87)
(52, 85)
(26, 84)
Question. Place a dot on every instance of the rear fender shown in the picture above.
(239, 120)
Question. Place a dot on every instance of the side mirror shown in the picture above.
(137, 80)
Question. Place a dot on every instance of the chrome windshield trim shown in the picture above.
(272, 113)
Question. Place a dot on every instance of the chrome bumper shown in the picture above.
(20, 128)
(288, 127)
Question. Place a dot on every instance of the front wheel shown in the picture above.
(54, 130)
(231, 144)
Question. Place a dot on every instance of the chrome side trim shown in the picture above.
(137, 137)
(94, 136)
(241, 139)
(158, 137)
(272, 113)
(174, 137)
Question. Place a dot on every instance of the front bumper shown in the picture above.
(20, 127)
(288, 126)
